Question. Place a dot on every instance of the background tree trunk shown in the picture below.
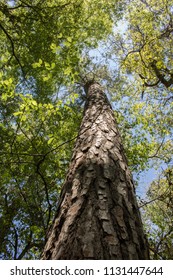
(97, 216)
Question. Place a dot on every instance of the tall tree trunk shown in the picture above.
(97, 217)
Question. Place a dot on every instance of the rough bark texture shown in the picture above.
(97, 217)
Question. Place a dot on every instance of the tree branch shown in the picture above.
(13, 48)
(160, 76)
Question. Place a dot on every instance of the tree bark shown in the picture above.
(97, 217)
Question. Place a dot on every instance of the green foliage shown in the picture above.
(148, 43)
(146, 129)
(36, 146)
(143, 92)
(158, 212)
(44, 40)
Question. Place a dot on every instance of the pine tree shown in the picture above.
(97, 216)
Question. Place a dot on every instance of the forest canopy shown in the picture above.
(48, 49)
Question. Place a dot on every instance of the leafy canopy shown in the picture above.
(158, 213)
